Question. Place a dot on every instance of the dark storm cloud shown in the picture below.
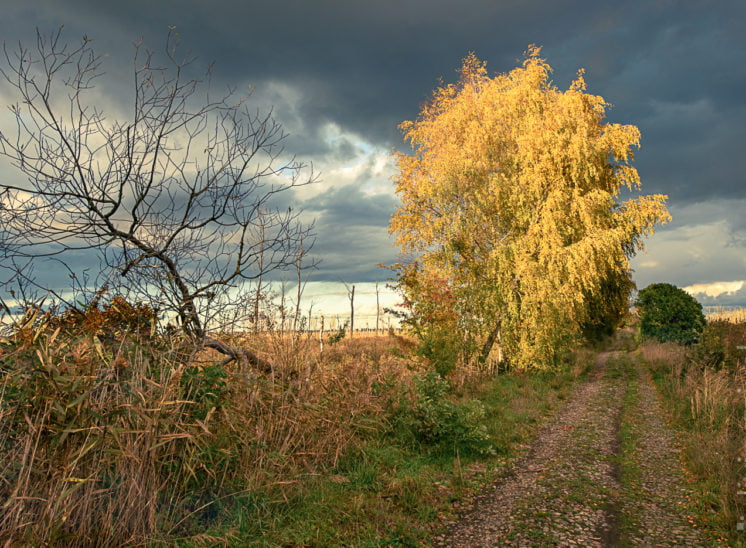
(368, 65)
(351, 233)
(674, 68)
(348, 205)
(351, 254)
(736, 299)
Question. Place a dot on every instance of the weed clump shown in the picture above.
(430, 418)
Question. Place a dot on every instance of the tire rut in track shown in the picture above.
(655, 490)
(576, 487)
(562, 491)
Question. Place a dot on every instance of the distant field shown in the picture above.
(734, 315)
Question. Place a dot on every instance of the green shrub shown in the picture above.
(430, 418)
(334, 338)
(206, 384)
(668, 313)
(442, 348)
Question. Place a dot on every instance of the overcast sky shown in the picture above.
(341, 76)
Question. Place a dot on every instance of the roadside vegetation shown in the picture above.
(115, 433)
(703, 387)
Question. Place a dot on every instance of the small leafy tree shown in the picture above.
(509, 208)
(428, 310)
(668, 313)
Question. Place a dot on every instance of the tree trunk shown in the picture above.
(489, 343)
(321, 335)
(241, 355)
(352, 312)
(378, 309)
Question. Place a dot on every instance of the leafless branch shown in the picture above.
(183, 199)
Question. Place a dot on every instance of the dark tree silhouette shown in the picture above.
(668, 313)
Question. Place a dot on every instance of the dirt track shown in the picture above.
(603, 472)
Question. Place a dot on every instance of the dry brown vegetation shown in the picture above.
(112, 434)
(703, 387)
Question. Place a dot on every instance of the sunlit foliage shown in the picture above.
(510, 212)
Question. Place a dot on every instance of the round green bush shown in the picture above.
(668, 313)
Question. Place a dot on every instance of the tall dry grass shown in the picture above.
(706, 400)
(113, 434)
(91, 434)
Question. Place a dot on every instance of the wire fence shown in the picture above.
(366, 310)
(325, 311)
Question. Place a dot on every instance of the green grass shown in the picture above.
(387, 493)
(628, 459)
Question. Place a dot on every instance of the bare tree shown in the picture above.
(181, 200)
(351, 296)
(300, 287)
(378, 308)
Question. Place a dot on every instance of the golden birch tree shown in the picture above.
(510, 207)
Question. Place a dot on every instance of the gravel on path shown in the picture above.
(569, 489)
(653, 484)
